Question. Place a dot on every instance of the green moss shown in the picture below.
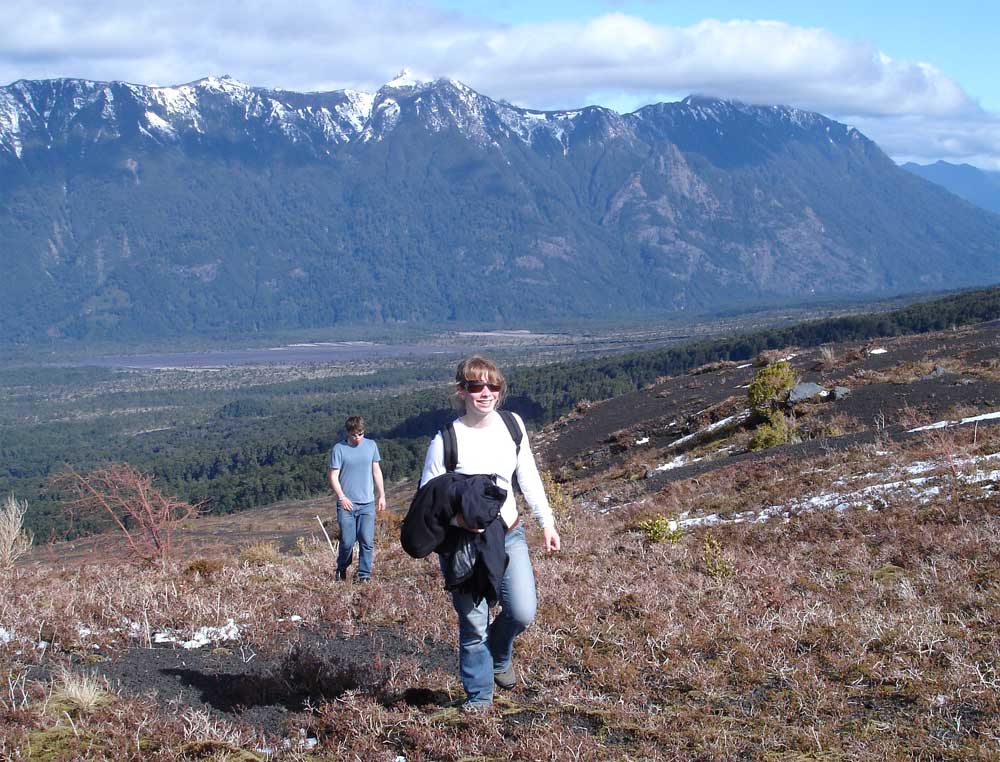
(62, 742)
(888, 574)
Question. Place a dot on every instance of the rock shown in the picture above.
(840, 392)
(804, 391)
(936, 373)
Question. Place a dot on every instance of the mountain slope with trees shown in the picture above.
(977, 186)
(242, 209)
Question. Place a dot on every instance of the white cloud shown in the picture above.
(910, 107)
(925, 140)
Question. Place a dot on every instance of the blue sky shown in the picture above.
(917, 77)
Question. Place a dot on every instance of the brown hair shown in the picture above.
(475, 367)
(354, 424)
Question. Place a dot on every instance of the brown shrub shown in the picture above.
(205, 567)
(146, 517)
(260, 553)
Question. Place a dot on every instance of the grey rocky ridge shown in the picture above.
(245, 209)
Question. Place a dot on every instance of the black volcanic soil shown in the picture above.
(603, 437)
(262, 689)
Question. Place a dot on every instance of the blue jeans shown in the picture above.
(357, 526)
(485, 648)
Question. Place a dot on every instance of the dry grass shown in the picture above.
(908, 372)
(14, 540)
(76, 694)
(260, 553)
(863, 634)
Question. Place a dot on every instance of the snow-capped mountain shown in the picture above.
(129, 210)
(51, 114)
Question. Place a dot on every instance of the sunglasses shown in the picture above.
(477, 386)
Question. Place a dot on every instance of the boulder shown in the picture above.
(840, 392)
(804, 391)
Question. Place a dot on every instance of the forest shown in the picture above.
(235, 449)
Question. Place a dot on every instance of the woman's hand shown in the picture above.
(551, 538)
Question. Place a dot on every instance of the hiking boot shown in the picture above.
(506, 679)
(477, 708)
(341, 575)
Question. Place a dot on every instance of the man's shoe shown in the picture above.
(341, 575)
(506, 679)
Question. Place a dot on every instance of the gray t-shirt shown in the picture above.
(355, 466)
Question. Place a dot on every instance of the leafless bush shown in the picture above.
(147, 517)
(14, 540)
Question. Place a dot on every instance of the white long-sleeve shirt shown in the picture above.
(491, 450)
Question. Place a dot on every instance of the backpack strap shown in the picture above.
(515, 431)
(451, 441)
(450, 447)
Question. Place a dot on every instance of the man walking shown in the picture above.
(356, 478)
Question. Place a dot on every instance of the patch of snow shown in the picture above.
(644, 440)
(203, 636)
(156, 122)
(877, 351)
(680, 460)
(710, 428)
(389, 112)
(962, 422)
(225, 84)
(405, 78)
(6, 636)
(358, 108)
(10, 124)
(918, 490)
(744, 365)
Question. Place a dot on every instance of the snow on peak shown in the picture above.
(405, 78)
(225, 83)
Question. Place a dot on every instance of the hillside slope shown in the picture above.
(836, 604)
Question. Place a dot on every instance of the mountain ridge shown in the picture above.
(977, 186)
(334, 109)
(247, 209)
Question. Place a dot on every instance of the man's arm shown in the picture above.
(345, 503)
(379, 486)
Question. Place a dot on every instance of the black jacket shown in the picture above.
(472, 562)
